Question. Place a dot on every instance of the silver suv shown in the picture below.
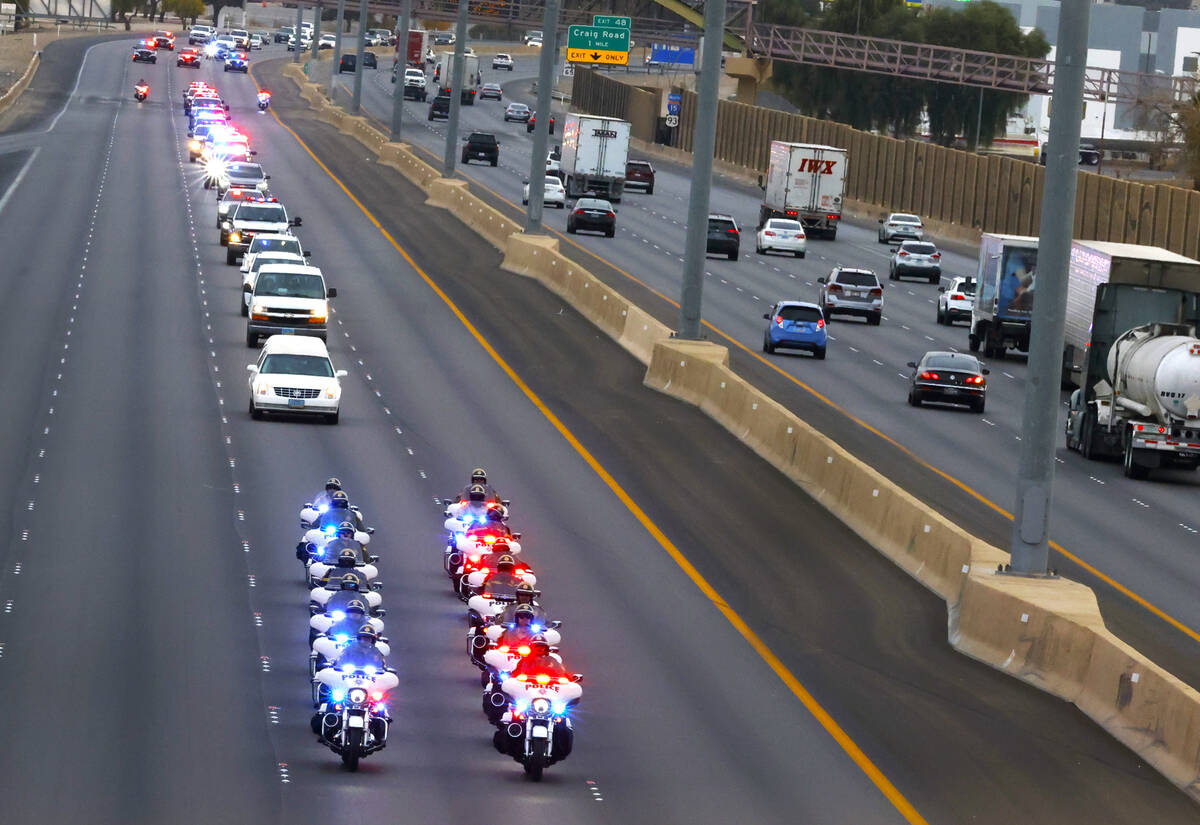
(901, 226)
(920, 258)
(852, 292)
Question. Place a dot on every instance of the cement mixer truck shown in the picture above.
(1140, 395)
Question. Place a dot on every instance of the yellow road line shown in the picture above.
(864, 763)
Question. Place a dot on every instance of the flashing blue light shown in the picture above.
(381, 709)
(324, 508)
(522, 706)
(369, 670)
(342, 638)
(347, 669)
(338, 695)
(503, 675)
(338, 615)
(536, 628)
(330, 529)
(559, 708)
(459, 536)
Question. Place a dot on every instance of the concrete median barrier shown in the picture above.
(401, 157)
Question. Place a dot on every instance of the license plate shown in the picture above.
(951, 391)
(539, 732)
(288, 331)
(482, 154)
(356, 721)
(295, 402)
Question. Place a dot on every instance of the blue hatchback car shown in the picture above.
(795, 325)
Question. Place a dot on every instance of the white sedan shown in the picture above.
(554, 193)
(780, 235)
(293, 374)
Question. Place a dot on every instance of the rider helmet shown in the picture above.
(349, 582)
(479, 476)
(538, 646)
(500, 545)
(345, 530)
(525, 611)
(347, 558)
(333, 484)
(356, 606)
(525, 593)
(476, 492)
(505, 563)
(368, 633)
(495, 514)
(339, 500)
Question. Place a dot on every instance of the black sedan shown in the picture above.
(949, 377)
(594, 215)
(532, 122)
(143, 55)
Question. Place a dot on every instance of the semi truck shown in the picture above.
(805, 182)
(443, 73)
(593, 155)
(1002, 315)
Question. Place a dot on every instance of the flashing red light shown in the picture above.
(542, 679)
(377, 695)
(522, 677)
(820, 323)
(562, 680)
(930, 376)
(523, 650)
(779, 320)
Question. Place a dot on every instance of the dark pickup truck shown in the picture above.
(481, 146)
(440, 106)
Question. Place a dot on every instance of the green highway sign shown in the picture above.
(597, 39)
(612, 22)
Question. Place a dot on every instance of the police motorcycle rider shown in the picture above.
(309, 512)
(329, 554)
(361, 664)
(350, 588)
(320, 574)
(489, 633)
(491, 591)
(325, 525)
(319, 597)
(327, 647)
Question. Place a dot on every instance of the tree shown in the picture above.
(188, 11)
(121, 9)
(982, 26)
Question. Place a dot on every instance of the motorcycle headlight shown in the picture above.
(226, 225)
(540, 705)
(234, 237)
(358, 696)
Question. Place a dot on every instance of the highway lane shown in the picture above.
(174, 684)
(866, 372)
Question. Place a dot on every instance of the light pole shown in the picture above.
(541, 129)
(356, 103)
(337, 47)
(457, 70)
(398, 69)
(703, 145)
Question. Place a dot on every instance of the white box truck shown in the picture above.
(805, 182)
(594, 151)
(443, 74)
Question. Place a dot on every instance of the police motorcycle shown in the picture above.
(319, 545)
(264, 100)
(536, 729)
(328, 645)
(352, 717)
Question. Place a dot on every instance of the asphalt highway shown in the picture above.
(1121, 535)
(152, 633)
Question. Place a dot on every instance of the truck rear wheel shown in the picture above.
(1133, 469)
(973, 342)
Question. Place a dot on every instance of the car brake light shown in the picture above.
(835, 287)
(769, 233)
(877, 292)
(832, 217)
(732, 231)
(612, 214)
(930, 376)
(902, 254)
(791, 212)
(936, 255)
(820, 323)
(779, 320)
(957, 297)
(578, 211)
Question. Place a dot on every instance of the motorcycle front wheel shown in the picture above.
(534, 765)
(350, 749)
